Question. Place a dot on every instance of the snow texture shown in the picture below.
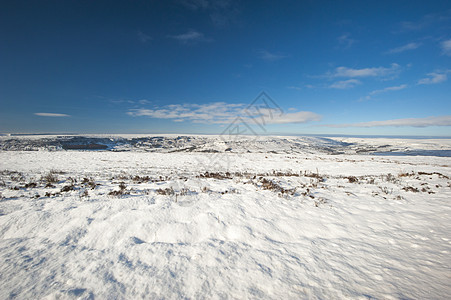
(273, 217)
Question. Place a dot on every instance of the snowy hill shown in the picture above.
(225, 143)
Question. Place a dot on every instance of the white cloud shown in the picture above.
(446, 47)
(384, 90)
(276, 116)
(223, 113)
(217, 112)
(409, 46)
(268, 56)
(51, 115)
(296, 117)
(296, 87)
(411, 122)
(191, 36)
(125, 101)
(293, 87)
(388, 89)
(435, 77)
(365, 72)
(345, 84)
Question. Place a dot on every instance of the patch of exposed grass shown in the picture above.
(89, 182)
(433, 173)
(122, 190)
(68, 188)
(410, 189)
(216, 175)
(50, 179)
(30, 185)
(167, 191)
(352, 179)
(267, 184)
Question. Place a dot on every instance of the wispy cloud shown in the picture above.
(446, 47)
(345, 84)
(295, 118)
(222, 113)
(385, 90)
(425, 21)
(294, 87)
(143, 102)
(345, 41)
(192, 36)
(144, 38)
(51, 115)
(365, 72)
(435, 77)
(221, 12)
(217, 112)
(304, 86)
(410, 122)
(413, 26)
(128, 101)
(268, 56)
(407, 47)
(196, 4)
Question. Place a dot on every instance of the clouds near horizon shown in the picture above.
(223, 113)
(407, 122)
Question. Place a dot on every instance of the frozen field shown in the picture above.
(198, 217)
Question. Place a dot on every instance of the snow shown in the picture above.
(332, 223)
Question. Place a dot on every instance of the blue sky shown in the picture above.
(193, 66)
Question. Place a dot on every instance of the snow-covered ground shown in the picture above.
(200, 217)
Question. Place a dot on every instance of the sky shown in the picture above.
(208, 66)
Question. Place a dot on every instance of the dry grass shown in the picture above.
(89, 182)
(122, 190)
(216, 175)
(50, 179)
(67, 188)
(410, 189)
(30, 185)
(352, 179)
(434, 173)
(167, 191)
(267, 184)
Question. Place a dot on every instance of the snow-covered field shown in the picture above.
(199, 217)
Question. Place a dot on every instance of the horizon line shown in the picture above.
(250, 134)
